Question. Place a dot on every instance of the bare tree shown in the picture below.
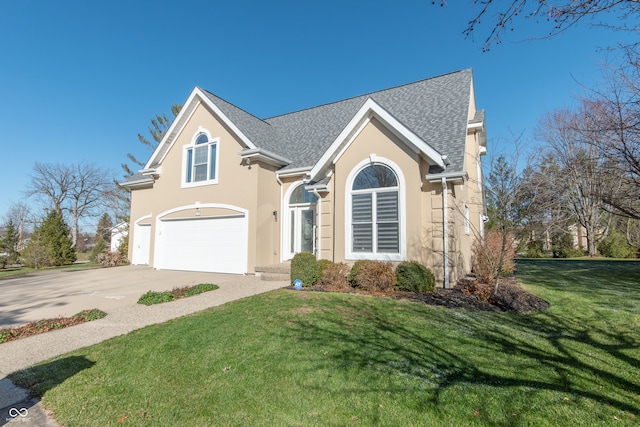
(584, 175)
(561, 14)
(77, 189)
(614, 114)
(50, 183)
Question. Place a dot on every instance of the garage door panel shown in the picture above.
(208, 244)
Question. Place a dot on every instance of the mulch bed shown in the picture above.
(46, 325)
(471, 295)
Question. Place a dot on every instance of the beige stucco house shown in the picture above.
(391, 175)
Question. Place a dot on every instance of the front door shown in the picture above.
(301, 229)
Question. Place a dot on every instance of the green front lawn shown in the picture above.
(318, 359)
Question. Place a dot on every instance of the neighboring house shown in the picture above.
(119, 233)
(391, 175)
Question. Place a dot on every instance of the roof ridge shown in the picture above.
(234, 105)
(364, 94)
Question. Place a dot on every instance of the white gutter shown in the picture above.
(294, 172)
(445, 231)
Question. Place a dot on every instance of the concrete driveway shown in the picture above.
(114, 290)
(50, 294)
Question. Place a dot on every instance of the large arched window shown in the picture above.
(201, 159)
(375, 212)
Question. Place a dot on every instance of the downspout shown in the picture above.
(318, 246)
(445, 231)
(281, 215)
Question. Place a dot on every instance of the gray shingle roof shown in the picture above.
(435, 109)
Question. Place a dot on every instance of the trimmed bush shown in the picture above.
(334, 277)
(304, 266)
(414, 277)
(375, 276)
(357, 266)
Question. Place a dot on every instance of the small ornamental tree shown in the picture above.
(53, 234)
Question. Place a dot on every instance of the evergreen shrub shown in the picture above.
(412, 276)
(304, 266)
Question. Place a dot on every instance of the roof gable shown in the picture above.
(430, 115)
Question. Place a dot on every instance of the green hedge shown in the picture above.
(414, 277)
(305, 267)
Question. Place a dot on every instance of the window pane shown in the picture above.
(189, 164)
(361, 208)
(300, 195)
(387, 206)
(375, 176)
(202, 139)
(212, 166)
(201, 155)
(362, 238)
(388, 240)
(200, 173)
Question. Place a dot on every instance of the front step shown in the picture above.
(275, 272)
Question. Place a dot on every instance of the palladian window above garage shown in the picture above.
(201, 160)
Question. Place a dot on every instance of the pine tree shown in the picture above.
(53, 236)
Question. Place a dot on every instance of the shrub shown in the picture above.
(100, 247)
(35, 255)
(376, 276)
(482, 292)
(357, 266)
(562, 246)
(486, 257)
(322, 265)
(110, 259)
(304, 266)
(414, 277)
(535, 249)
(615, 246)
(334, 277)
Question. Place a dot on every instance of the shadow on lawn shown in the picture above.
(50, 374)
(556, 353)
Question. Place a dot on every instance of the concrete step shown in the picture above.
(274, 272)
(275, 277)
(284, 268)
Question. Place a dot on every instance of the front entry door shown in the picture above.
(301, 230)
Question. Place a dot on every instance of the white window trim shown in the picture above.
(402, 235)
(285, 220)
(191, 146)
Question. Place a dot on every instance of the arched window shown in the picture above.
(201, 159)
(301, 195)
(375, 211)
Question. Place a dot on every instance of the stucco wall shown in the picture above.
(238, 185)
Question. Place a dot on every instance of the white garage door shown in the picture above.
(205, 244)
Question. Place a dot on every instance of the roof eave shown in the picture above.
(264, 156)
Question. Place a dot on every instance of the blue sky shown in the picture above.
(80, 79)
